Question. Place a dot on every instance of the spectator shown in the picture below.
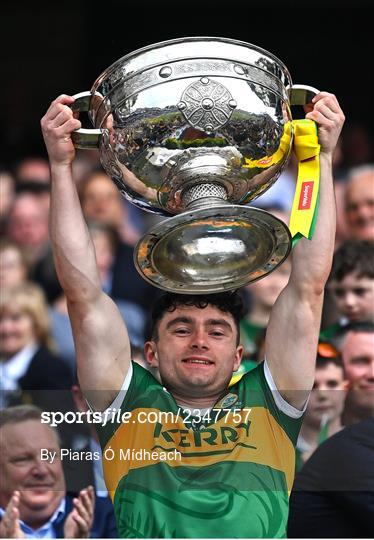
(33, 169)
(33, 498)
(28, 226)
(325, 407)
(33, 177)
(13, 265)
(102, 202)
(7, 194)
(357, 349)
(29, 368)
(105, 243)
(351, 285)
(263, 294)
(333, 495)
(359, 203)
(133, 295)
(79, 474)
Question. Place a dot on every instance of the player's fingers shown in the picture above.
(324, 109)
(55, 106)
(330, 100)
(66, 129)
(63, 116)
(320, 118)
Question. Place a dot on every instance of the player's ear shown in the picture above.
(150, 351)
(238, 357)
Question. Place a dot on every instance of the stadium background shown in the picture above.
(53, 47)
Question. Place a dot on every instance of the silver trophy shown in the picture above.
(196, 128)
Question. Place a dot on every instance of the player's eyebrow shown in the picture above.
(189, 320)
(180, 319)
(219, 322)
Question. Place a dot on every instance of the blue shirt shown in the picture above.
(47, 530)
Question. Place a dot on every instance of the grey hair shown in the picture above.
(22, 413)
(359, 170)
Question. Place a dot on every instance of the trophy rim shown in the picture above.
(138, 52)
(282, 249)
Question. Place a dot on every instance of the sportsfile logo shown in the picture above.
(306, 195)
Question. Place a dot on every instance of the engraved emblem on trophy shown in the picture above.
(194, 129)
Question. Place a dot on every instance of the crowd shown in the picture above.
(37, 358)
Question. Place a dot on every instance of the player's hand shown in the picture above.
(10, 526)
(79, 522)
(57, 126)
(329, 117)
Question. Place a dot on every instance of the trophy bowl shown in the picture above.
(196, 128)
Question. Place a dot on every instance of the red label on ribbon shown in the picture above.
(306, 195)
(265, 161)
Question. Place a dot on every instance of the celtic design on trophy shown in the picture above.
(196, 128)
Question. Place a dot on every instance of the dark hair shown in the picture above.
(366, 327)
(353, 256)
(229, 302)
(328, 354)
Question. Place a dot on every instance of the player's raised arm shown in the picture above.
(292, 335)
(101, 341)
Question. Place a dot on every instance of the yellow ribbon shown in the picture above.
(275, 158)
(305, 203)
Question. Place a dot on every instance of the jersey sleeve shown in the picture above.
(262, 391)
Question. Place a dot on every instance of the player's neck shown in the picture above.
(203, 402)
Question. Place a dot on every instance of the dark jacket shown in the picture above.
(104, 524)
(47, 380)
(333, 494)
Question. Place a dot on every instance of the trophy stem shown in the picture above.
(204, 195)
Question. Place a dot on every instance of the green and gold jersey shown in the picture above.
(224, 472)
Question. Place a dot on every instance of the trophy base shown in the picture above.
(212, 249)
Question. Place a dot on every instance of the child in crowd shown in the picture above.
(351, 284)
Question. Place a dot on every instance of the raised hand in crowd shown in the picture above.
(79, 522)
(10, 525)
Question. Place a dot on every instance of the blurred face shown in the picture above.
(266, 290)
(28, 223)
(12, 269)
(102, 201)
(41, 484)
(358, 356)
(327, 398)
(34, 170)
(103, 252)
(354, 297)
(360, 207)
(16, 330)
(196, 351)
(6, 193)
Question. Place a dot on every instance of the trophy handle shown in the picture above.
(87, 139)
(301, 94)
